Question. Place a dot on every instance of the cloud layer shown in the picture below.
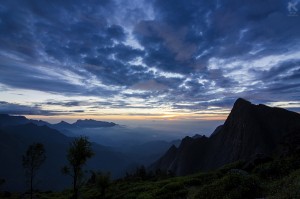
(172, 55)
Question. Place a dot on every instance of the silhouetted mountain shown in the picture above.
(14, 141)
(147, 153)
(248, 130)
(92, 124)
(7, 120)
(79, 124)
(197, 136)
(62, 125)
(39, 122)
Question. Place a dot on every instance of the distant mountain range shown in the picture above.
(88, 123)
(248, 131)
(18, 132)
(7, 120)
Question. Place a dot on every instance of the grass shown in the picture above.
(279, 179)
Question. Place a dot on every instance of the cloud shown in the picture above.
(179, 54)
(18, 109)
(48, 78)
(65, 104)
(150, 85)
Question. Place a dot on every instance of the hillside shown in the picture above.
(275, 179)
(248, 131)
(18, 132)
(14, 141)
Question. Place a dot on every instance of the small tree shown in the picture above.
(100, 180)
(79, 152)
(32, 161)
(2, 181)
(103, 182)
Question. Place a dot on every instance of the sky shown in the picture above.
(147, 59)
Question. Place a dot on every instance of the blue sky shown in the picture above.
(154, 59)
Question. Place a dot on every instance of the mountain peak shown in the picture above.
(241, 101)
(63, 122)
(241, 106)
(248, 130)
(93, 123)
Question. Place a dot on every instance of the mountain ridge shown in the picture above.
(248, 130)
(14, 141)
(6, 120)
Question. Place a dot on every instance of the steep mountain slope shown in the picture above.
(147, 153)
(248, 130)
(14, 141)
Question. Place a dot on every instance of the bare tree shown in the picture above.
(32, 161)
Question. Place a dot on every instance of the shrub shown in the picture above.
(233, 186)
(172, 190)
(277, 168)
(286, 188)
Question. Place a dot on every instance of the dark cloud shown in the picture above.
(166, 47)
(17, 109)
(220, 28)
(65, 104)
(173, 52)
(20, 75)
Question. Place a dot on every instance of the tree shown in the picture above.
(101, 181)
(32, 161)
(79, 152)
(2, 181)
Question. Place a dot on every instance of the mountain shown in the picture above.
(147, 153)
(248, 130)
(7, 120)
(14, 140)
(62, 125)
(92, 124)
(80, 124)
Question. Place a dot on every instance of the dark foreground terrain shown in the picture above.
(279, 178)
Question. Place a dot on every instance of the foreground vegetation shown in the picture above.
(279, 178)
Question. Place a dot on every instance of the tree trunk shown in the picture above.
(31, 185)
(75, 196)
(103, 192)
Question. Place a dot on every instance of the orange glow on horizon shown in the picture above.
(169, 117)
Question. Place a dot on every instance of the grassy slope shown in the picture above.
(276, 179)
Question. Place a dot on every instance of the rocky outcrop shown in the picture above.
(249, 130)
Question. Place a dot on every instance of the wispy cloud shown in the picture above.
(171, 54)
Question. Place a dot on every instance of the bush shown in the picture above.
(286, 188)
(277, 168)
(200, 179)
(230, 166)
(145, 196)
(172, 190)
(233, 186)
